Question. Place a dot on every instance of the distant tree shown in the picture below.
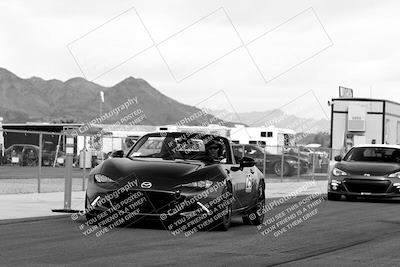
(64, 120)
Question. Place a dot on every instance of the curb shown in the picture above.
(33, 219)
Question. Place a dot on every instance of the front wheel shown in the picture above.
(224, 222)
(351, 198)
(91, 215)
(334, 197)
(278, 168)
(256, 215)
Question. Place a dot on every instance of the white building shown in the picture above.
(214, 129)
(271, 137)
(114, 136)
(363, 121)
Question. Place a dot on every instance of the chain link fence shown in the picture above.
(288, 163)
(33, 161)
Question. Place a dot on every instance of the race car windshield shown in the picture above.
(373, 154)
(172, 147)
(149, 148)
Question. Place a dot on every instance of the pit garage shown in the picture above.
(356, 121)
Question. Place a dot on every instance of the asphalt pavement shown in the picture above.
(361, 233)
(14, 206)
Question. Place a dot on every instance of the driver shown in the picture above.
(214, 150)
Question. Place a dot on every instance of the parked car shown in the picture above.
(302, 151)
(28, 155)
(273, 161)
(366, 171)
(21, 154)
(177, 175)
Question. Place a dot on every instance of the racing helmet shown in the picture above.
(216, 143)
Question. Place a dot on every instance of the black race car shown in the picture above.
(290, 166)
(186, 180)
(366, 171)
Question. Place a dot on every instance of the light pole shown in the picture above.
(1, 137)
(69, 153)
(101, 134)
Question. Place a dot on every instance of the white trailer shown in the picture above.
(273, 138)
(114, 136)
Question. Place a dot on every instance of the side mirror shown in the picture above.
(117, 154)
(247, 162)
(338, 158)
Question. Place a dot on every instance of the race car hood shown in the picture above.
(162, 174)
(361, 168)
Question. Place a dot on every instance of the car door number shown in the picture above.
(249, 183)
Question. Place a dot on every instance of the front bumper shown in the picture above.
(365, 187)
(152, 204)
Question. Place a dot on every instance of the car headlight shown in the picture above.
(199, 184)
(394, 175)
(338, 172)
(100, 178)
(292, 161)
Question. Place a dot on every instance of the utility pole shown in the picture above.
(69, 153)
(101, 134)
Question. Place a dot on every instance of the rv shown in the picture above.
(274, 139)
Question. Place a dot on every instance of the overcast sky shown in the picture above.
(262, 54)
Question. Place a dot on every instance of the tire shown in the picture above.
(256, 214)
(303, 170)
(351, 198)
(277, 168)
(90, 216)
(91, 219)
(334, 197)
(224, 222)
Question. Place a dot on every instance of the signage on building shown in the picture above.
(356, 118)
(345, 92)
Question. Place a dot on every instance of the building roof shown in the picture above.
(364, 99)
(41, 124)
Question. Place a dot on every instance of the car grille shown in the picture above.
(155, 202)
(368, 186)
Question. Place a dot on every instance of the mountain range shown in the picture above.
(78, 100)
